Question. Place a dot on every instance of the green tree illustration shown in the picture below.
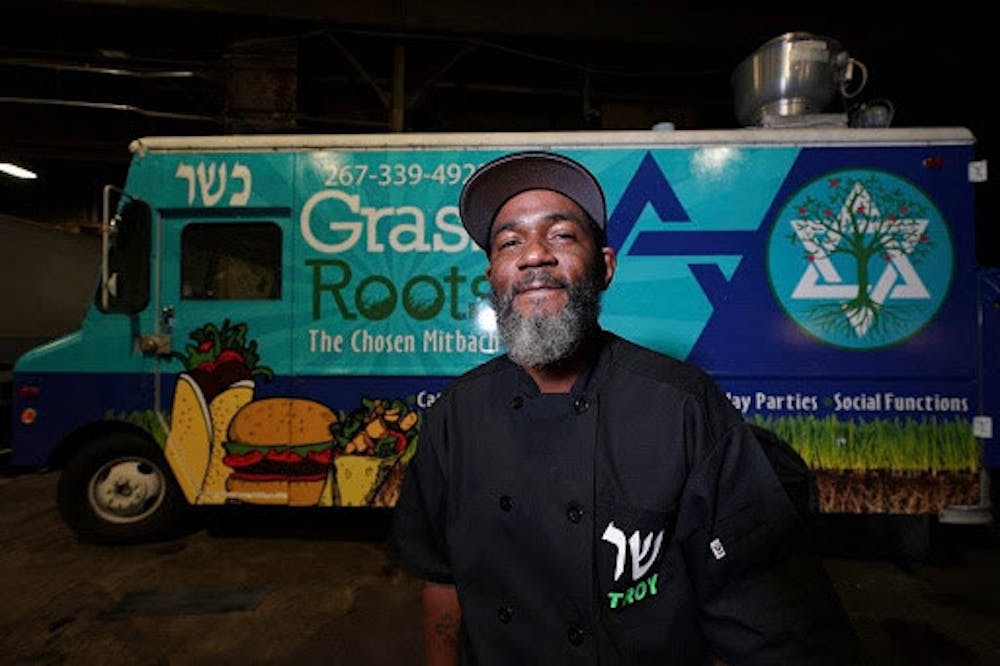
(871, 223)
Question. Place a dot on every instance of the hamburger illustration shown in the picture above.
(279, 450)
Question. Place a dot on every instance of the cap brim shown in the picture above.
(493, 184)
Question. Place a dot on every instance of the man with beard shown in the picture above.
(585, 500)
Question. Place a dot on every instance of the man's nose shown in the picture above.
(536, 252)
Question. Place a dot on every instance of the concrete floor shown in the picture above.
(317, 587)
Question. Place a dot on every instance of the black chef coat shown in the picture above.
(634, 520)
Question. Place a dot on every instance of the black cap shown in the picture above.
(494, 183)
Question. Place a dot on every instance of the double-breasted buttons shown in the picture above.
(575, 635)
(506, 503)
(516, 402)
(581, 405)
(574, 512)
(505, 614)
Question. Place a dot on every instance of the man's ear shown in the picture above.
(610, 264)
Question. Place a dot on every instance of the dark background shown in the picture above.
(79, 80)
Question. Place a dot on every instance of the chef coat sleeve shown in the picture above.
(417, 541)
(764, 596)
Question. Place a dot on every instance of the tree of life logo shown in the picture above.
(860, 259)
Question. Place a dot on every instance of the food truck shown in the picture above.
(273, 315)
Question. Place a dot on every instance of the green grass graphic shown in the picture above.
(908, 445)
(147, 420)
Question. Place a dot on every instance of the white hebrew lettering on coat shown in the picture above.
(643, 551)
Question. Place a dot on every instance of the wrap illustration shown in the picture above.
(187, 445)
(222, 410)
(217, 381)
(371, 442)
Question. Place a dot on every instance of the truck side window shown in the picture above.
(231, 261)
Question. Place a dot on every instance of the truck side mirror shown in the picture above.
(125, 276)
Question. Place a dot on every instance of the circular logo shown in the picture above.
(860, 259)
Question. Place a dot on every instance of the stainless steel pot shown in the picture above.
(795, 73)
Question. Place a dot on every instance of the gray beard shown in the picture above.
(539, 340)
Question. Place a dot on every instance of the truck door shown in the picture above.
(225, 297)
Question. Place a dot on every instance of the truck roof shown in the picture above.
(813, 136)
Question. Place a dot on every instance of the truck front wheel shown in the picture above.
(118, 488)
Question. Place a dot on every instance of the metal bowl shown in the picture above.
(795, 73)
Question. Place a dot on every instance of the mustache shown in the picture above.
(539, 277)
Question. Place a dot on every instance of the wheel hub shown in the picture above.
(126, 490)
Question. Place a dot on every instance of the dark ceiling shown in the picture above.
(79, 80)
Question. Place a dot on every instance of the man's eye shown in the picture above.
(510, 242)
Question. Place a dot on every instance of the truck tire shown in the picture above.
(118, 488)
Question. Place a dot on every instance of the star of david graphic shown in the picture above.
(821, 280)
